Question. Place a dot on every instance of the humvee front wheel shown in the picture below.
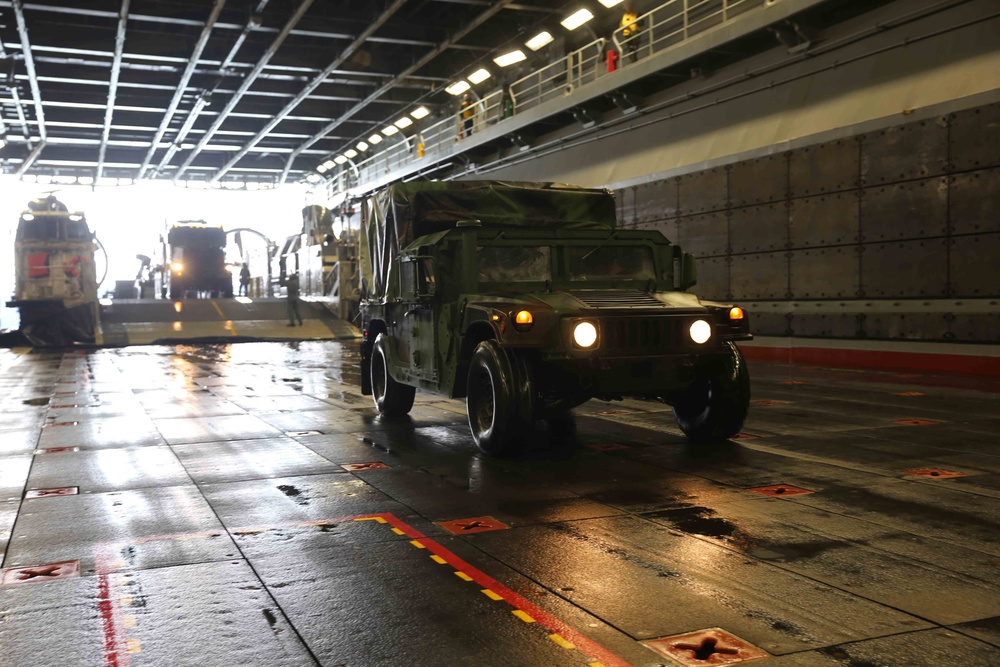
(716, 407)
(499, 399)
(392, 399)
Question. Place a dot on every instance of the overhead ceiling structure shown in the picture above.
(242, 93)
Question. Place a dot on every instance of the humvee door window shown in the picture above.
(589, 263)
(514, 264)
(407, 278)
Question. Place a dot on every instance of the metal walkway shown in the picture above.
(242, 505)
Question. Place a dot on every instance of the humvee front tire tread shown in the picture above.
(499, 399)
(716, 409)
(393, 400)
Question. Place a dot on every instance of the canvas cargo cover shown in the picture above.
(393, 217)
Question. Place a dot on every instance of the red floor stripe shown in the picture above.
(876, 359)
(591, 649)
(114, 656)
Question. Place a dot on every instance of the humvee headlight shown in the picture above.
(523, 320)
(585, 334)
(176, 267)
(700, 331)
(736, 313)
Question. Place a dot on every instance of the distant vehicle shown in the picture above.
(55, 276)
(196, 264)
(525, 299)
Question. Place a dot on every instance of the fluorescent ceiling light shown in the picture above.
(610, 3)
(419, 113)
(457, 88)
(539, 40)
(479, 76)
(389, 130)
(403, 122)
(577, 19)
(313, 178)
(329, 164)
(510, 58)
(340, 159)
(321, 169)
(362, 146)
(375, 138)
(350, 153)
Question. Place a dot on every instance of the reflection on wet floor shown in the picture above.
(244, 504)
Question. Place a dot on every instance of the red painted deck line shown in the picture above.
(590, 648)
(927, 362)
(117, 656)
(112, 624)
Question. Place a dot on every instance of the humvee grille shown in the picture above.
(618, 299)
(628, 336)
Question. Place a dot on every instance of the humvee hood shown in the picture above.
(615, 299)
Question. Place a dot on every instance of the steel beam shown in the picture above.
(429, 56)
(16, 98)
(247, 82)
(182, 85)
(311, 86)
(30, 160)
(29, 64)
(116, 68)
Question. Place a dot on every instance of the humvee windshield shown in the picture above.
(610, 263)
(514, 264)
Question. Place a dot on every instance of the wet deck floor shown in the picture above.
(216, 523)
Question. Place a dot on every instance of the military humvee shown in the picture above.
(525, 299)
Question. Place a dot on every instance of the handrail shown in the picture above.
(660, 29)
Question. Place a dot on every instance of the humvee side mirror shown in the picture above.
(685, 272)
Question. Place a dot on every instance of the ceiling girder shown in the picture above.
(116, 66)
(312, 85)
(494, 9)
(247, 82)
(182, 85)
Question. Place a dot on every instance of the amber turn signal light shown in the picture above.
(736, 313)
(523, 320)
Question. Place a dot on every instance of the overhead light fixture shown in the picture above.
(403, 122)
(350, 153)
(340, 159)
(610, 3)
(329, 164)
(457, 88)
(313, 178)
(374, 139)
(422, 112)
(322, 168)
(362, 147)
(479, 76)
(577, 19)
(508, 59)
(389, 130)
(539, 40)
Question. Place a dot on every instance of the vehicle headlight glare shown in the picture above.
(700, 331)
(585, 334)
(176, 267)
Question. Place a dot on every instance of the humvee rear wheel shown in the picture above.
(715, 409)
(499, 399)
(392, 399)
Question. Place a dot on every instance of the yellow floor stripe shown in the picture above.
(595, 664)
(217, 309)
(562, 642)
(126, 600)
(417, 544)
(134, 646)
(129, 621)
(377, 519)
(463, 576)
(398, 531)
(523, 616)
(437, 559)
(490, 594)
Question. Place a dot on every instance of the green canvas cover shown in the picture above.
(393, 217)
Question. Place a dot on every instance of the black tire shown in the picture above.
(392, 399)
(714, 409)
(499, 400)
